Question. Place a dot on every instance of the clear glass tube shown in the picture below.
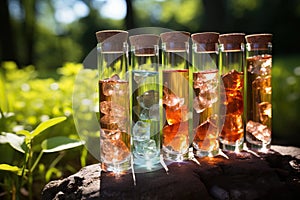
(205, 76)
(259, 91)
(231, 66)
(115, 139)
(175, 98)
(145, 109)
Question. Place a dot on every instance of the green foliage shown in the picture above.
(3, 100)
(27, 101)
(286, 99)
(15, 141)
(166, 14)
(23, 142)
(10, 168)
(33, 99)
(239, 7)
(52, 50)
(56, 144)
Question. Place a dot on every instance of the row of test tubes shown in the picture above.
(160, 95)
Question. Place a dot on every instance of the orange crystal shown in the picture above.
(205, 136)
(176, 114)
(176, 136)
(233, 80)
(233, 128)
(234, 102)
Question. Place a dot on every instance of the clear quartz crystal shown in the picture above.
(141, 130)
(144, 79)
(145, 148)
(148, 99)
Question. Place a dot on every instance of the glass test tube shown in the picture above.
(259, 91)
(175, 83)
(231, 66)
(112, 58)
(145, 110)
(205, 76)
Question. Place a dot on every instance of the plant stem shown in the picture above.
(30, 178)
(83, 157)
(37, 161)
(57, 159)
(27, 152)
(13, 191)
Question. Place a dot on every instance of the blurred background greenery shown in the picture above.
(46, 40)
(47, 34)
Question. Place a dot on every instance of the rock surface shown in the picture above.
(275, 175)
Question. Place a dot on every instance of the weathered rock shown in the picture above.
(242, 176)
(85, 184)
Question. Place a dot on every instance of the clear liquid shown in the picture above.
(114, 123)
(175, 60)
(112, 63)
(145, 117)
(204, 61)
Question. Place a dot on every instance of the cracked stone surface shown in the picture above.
(275, 175)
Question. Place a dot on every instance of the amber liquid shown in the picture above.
(233, 131)
(205, 112)
(176, 105)
(259, 101)
(114, 123)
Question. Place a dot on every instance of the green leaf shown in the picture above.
(11, 168)
(24, 132)
(15, 141)
(60, 143)
(46, 124)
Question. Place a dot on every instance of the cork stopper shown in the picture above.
(117, 36)
(259, 41)
(144, 40)
(206, 41)
(111, 40)
(144, 43)
(175, 40)
(232, 41)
